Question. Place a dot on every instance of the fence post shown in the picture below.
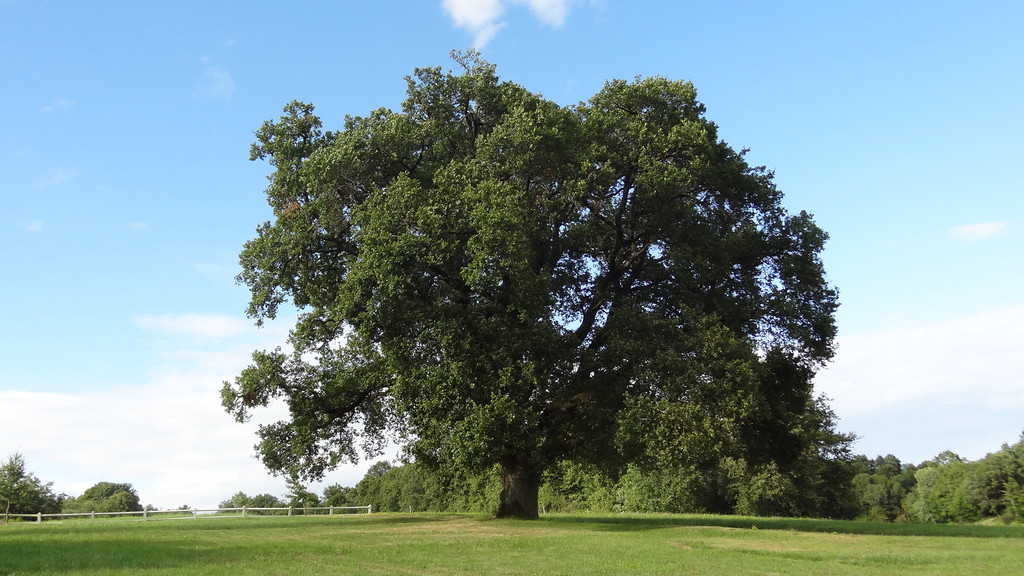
(289, 510)
(92, 515)
(369, 509)
(243, 511)
(145, 514)
(330, 511)
(39, 517)
(195, 514)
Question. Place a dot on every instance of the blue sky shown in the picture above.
(127, 193)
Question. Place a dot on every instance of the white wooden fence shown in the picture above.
(197, 513)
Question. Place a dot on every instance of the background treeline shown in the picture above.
(944, 489)
(22, 492)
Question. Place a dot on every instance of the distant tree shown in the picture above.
(105, 497)
(574, 487)
(500, 278)
(299, 496)
(242, 500)
(237, 500)
(1002, 475)
(266, 501)
(881, 487)
(379, 488)
(414, 487)
(944, 458)
(919, 501)
(21, 492)
(378, 470)
(951, 489)
(338, 495)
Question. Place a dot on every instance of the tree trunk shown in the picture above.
(519, 495)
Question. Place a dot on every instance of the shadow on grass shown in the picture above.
(209, 545)
(56, 557)
(337, 520)
(627, 522)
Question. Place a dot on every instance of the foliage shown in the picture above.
(502, 281)
(881, 487)
(945, 489)
(950, 489)
(299, 496)
(338, 495)
(574, 487)
(242, 500)
(413, 487)
(105, 497)
(21, 492)
(1002, 475)
(579, 487)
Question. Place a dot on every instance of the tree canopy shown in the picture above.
(243, 500)
(105, 497)
(21, 492)
(493, 278)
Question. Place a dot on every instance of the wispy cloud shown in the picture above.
(59, 176)
(59, 104)
(216, 326)
(901, 380)
(219, 273)
(184, 448)
(550, 12)
(481, 17)
(138, 225)
(980, 231)
(217, 84)
(34, 225)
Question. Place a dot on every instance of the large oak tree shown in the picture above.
(502, 280)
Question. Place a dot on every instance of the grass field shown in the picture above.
(472, 544)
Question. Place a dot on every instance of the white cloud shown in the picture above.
(550, 12)
(217, 326)
(481, 17)
(167, 435)
(138, 225)
(34, 225)
(977, 231)
(219, 273)
(957, 384)
(59, 104)
(170, 438)
(217, 84)
(58, 177)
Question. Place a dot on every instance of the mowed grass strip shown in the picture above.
(434, 544)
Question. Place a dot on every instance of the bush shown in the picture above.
(105, 497)
(766, 492)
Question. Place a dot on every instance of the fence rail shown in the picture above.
(197, 513)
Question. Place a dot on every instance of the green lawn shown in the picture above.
(472, 544)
